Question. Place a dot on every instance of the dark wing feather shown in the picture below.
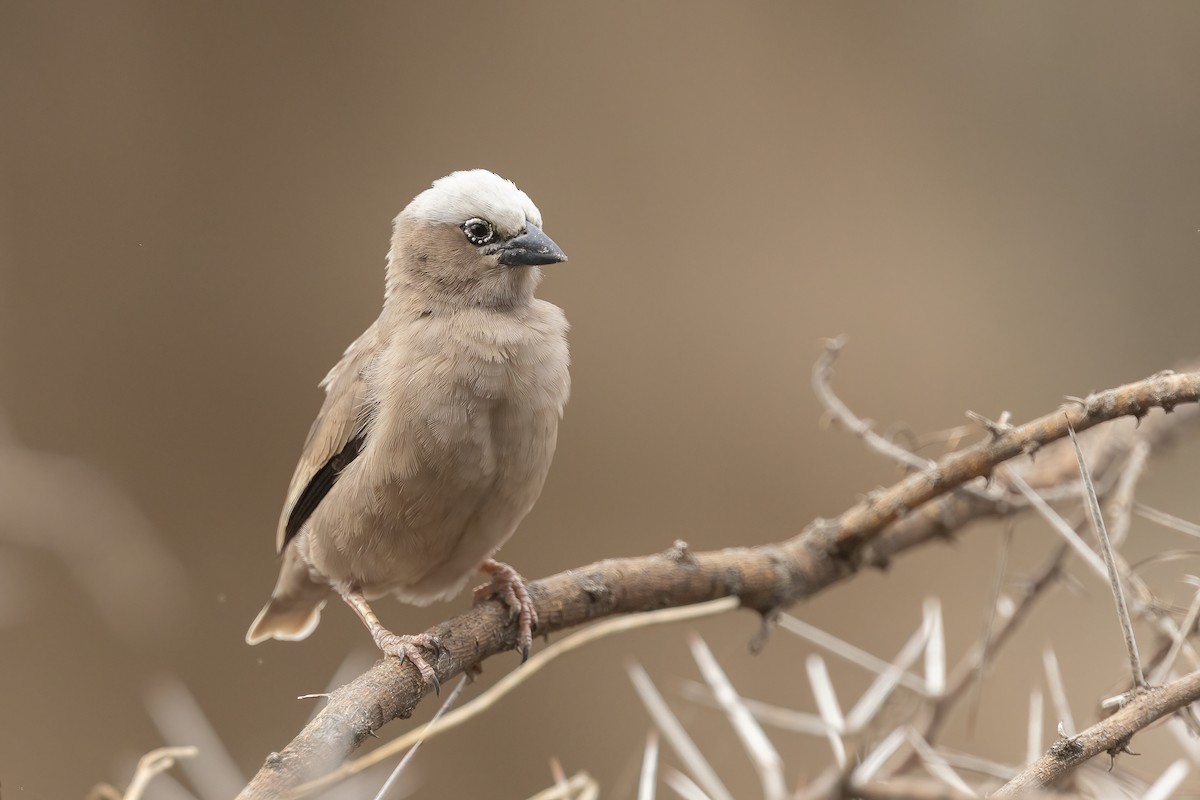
(319, 486)
(338, 435)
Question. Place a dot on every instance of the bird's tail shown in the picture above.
(295, 606)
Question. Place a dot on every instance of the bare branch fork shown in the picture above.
(766, 579)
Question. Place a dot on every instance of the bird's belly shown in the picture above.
(419, 527)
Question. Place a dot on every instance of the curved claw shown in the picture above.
(401, 647)
(409, 647)
(509, 587)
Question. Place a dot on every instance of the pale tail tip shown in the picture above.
(285, 624)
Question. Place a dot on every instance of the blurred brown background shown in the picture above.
(999, 204)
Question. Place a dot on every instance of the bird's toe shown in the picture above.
(409, 648)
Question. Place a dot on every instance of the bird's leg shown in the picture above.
(508, 585)
(392, 644)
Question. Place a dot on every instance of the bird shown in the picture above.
(438, 426)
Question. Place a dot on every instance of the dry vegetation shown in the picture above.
(1083, 488)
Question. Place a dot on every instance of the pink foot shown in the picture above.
(509, 587)
(409, 647)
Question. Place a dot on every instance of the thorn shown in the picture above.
(1117, 749)
(995, 429)
(680, 553)
(1071, 399)
(1139, 413)
(873, 558)
(769, 619)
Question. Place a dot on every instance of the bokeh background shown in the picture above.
(998, 203)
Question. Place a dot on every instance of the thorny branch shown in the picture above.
(922, 506)
(1110, 736)
(507, 684)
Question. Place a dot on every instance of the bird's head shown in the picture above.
(473, 238)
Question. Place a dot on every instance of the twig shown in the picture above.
(1106, 549)
(1166, 520)
(412, 751)
(872, 700)
(822, 375)
(977, 765)
(827, 705)
(151, 765)
(684, 786)
(179, 718)
(1162, 557)
(935, 649)
(507, 684)
(764, 755)
(676, 736)
(910, 789)
(874, 761)
(579, 786)
(1119, 511)
(999, 607)
(1189, 624)
(1111, 735)
(1033, 739)
(1060, 525)
(1164, 788)
(840, 647)
(1058, 692)
(937, 766)
(767, 713)
(975, 661)
(765, 578)
(649, 776)
(1143, 599)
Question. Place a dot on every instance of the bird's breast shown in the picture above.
(477, 390)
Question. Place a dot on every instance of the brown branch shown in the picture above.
(501, 688)
(1111, 735)
(765, 578)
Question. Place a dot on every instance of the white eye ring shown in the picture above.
(479, 231)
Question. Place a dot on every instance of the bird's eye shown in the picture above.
(479, 231)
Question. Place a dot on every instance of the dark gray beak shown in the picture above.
(531, 249)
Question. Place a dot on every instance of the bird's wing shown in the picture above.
(336, 437)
